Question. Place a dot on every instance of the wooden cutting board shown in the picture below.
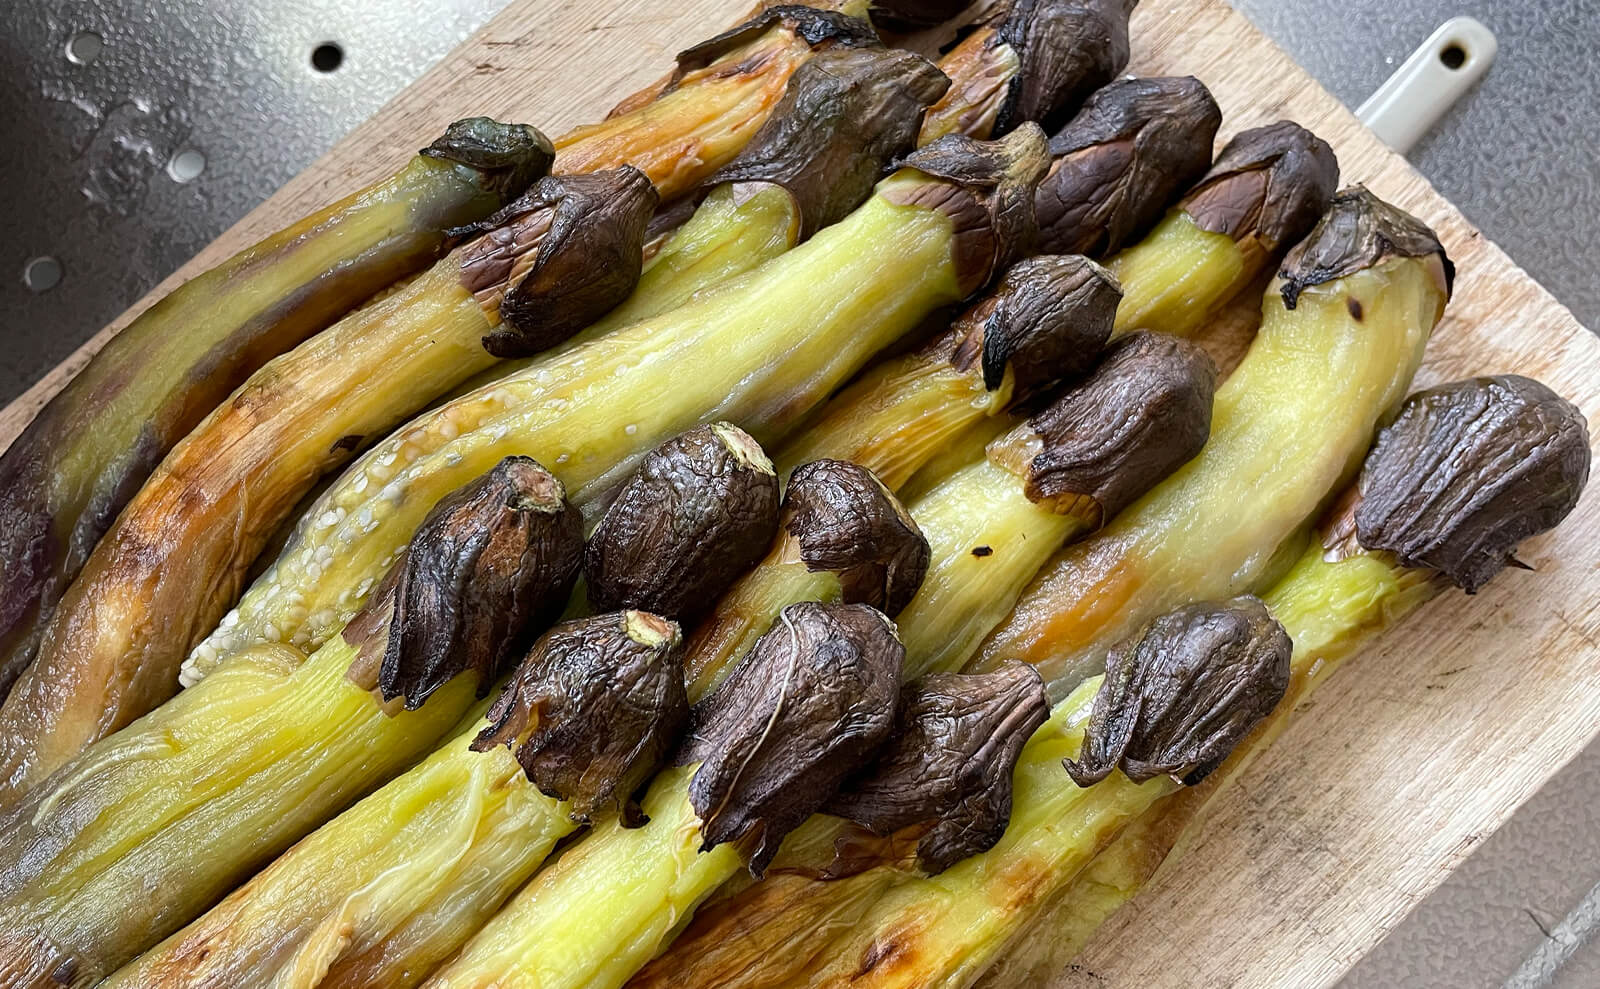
(1412, 754)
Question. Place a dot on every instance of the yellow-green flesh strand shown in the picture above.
(987, 540)
(896, 417)
(757, 350)
(201, 792)
(1177, 277)
(382, 893)
(605, 907)
(1289, 427)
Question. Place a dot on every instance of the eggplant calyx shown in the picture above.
(1359, 231)
(1267, 189)
(493, 560)
(1142, 414)
(844, 116)
(986, 188)
(699, 511)
(559, 258)
(946, 774)
(593, 710)
(810, 703)
(1469, 470)
(844, 521)
(504, 158)
(1118, 164)
(1183, 691)
(1048, 319)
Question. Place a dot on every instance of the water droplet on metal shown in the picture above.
(186, 165)
(41, 274)
(84, 47)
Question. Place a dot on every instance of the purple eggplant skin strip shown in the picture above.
(90, 449)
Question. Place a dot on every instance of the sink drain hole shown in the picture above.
(327, 57)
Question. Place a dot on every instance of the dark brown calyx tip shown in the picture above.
(906, 16)
(494, 560)
(846, 522)
(560, 257)
(809, 705)
(1468, 471)
(1358, 232)
(986, 188)
(1181, 693)
(816, 25)
(947, 770)
(506, 157)
(844, 116)
(1269, 185)
(701, 509)
(1143, 413)
(1048, 319)
(1119, 163)
(1066, 50)
(593, 711)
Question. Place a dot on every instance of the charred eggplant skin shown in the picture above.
(844, 115)
(914, 15)
(65, 478)
(947, 771)
(845, 522)
(594, 710)
(495, 558)
(1178, 696)
(1145, 412)
(1521, 454)
(699, 511)
(1118, 164)
(811, 703)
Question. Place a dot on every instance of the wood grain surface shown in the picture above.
(1410, 755)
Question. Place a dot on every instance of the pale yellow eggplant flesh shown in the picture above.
(1295, 418)
(699, 254)
(1180, 276)
(65, 478)
(114, 652)
(197, 795)
(177, 555)
(1331, 608)
(890, 298)
(415, 864)
(759, 350)
(604, 907)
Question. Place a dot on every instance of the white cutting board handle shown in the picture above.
(1429, 83)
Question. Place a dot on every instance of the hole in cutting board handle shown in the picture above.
(1429, 83)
